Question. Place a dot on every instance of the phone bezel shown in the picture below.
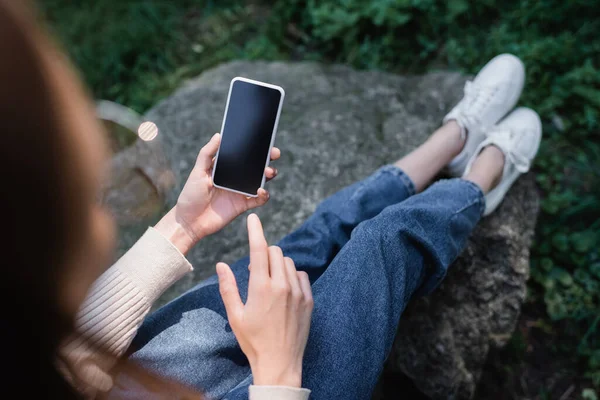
(273, 134)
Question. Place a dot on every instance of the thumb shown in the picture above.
(229, 291)
(205, 157)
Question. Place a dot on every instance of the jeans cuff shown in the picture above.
(474, 198)
(406, 181)
(479, 193)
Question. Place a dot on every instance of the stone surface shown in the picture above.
(139, 175)
(443, 339)
(338, 125)
(140, 181)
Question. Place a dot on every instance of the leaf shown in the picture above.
(589, 394)
(546, 264)
(560, 241)
(456, 8)
(556, 310)
(581, 275)
(595, 269)
(583, 242)
(589, 94)
(562, 276)
(388, 13)
(402, 18)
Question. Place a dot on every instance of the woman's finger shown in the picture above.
(229, 292)
(260, 200)
(270, 173)
(306, 289)
(277, 267)
(292, 276)
(275, 153)
(208, 152)
(259, 253)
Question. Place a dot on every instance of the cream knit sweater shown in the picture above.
(116, 306)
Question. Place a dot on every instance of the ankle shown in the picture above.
(488, 168)
(451, 132)
(496, 158)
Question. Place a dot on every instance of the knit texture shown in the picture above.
(115, 308)
(278, 393)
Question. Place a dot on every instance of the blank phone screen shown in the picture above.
(246, 136)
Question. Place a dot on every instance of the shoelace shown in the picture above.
(504, 139)
(476, 99)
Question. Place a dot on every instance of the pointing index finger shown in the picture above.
(259, 253)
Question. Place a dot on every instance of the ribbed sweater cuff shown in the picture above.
(153, 264)
(119, 300)
(277, 393)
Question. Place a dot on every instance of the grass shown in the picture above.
(137, 52)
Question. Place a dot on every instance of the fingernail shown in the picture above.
(220, 270)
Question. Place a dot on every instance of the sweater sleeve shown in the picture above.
(277, 393)
(116, 306)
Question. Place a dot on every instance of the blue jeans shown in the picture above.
(367, 249)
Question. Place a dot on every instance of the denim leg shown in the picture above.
(190, 340)
(314, 245)
(360, 297)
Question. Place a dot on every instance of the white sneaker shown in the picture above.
(518, 136)
(489, 97)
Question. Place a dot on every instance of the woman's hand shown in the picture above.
(202, 209)
(272, 327)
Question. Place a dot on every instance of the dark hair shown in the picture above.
(41, 211)
(44, 216)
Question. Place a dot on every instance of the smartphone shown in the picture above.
(247, 135)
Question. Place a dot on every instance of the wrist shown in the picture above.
(270, 375)
(176, 232)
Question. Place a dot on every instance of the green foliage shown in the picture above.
(589, 394)
(558, 42)
(136, 52)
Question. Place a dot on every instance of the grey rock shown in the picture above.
(443, 339)
(140, 180)
(339, 125)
